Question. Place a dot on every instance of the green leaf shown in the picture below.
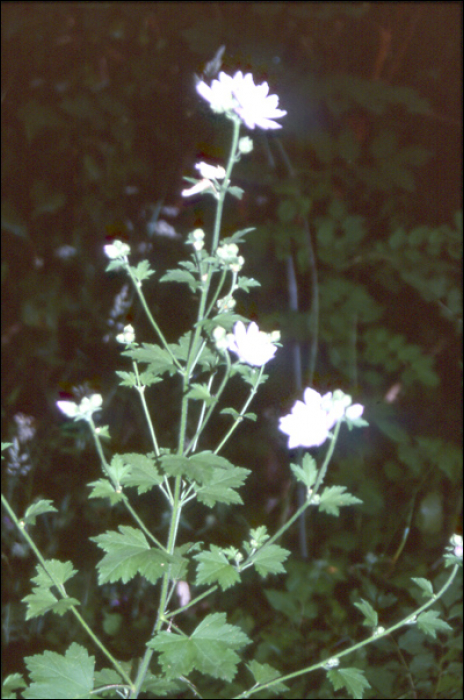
(143, 271)
(13, 682)
(191, 467)
(263, 673)
(42, 600)
(371, 617)
(158, 358)
(268, 560)
(236, 192)
(103, 488)
(222, 485)
(118, 469)
(210, 649)
(213, 567)
(142, 472)
(430, 623)
(235, 414)
(127, 379)
(350, 678)
(56, 676)
(333, 497)
(307, 473)
(127, 554)
(247, 282)
(427, 588)
(42, 506)
(201, 392)
(181, 276)
(238, 236)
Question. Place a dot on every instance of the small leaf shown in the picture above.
(181, 276)
(371, 617)
(201, 392)
(333, 497)
(214, 566)
(268, 560)
(142, 472)
(221, 486)
(236, 192)
(426, 586)
(430, 623)
(263, 673)
(350, 678)
(102, 488)
(143, 271)
(307, 473)
(42, 506)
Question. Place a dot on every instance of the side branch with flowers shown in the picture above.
(221, 345)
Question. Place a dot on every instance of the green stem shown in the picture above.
(160, 335)
(319, 479)
(242, 412)
(410, 618)
(117, 487)
(60, 587)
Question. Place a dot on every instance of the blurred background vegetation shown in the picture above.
(358, 248)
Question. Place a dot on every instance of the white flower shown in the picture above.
(210, 172)
(251, 345)
(199, 186)
(456, 542)
(197, 239)
(239, 94)
(255, 106)
(127, 336)
(116, 250)
(309, 422)
(355, 411)
(219, 95)
(219, 335)
(245, 145)
(88, 405)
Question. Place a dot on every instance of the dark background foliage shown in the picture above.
(358, 197)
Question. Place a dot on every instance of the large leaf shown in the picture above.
(127, 554)
(56, 676)
(210, 649)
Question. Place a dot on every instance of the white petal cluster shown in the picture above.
(310, 421)
(251, 345)
(210, 174)
(240, 95)
(116, 250)
(84, 410)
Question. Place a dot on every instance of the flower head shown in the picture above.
(88, 406)
(116, 250)
(239, 95)
(251, 345)
(209, 174)
(310, 421)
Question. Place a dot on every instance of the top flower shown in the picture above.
(252, 345)
(309, 423)
(239, 94)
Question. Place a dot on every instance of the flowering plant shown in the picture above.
(221, 344)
